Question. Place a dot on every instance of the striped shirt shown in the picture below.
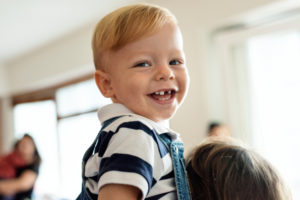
(129, 152)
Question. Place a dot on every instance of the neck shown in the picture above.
(28, 159)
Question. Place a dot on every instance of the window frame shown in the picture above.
(224, 40)
(49, 93)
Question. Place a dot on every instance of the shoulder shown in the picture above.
(132, 134)
(129, 126)
(128, 130)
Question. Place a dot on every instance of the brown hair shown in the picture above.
(221, 169)
(125, 25)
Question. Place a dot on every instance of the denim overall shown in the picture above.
(176, 151)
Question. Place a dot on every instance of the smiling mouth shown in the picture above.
(163, 95)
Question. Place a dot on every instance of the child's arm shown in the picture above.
(118, 191)
(22, 183)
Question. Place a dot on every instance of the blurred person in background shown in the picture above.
(9, 164)
(218, 129)
(23, 171)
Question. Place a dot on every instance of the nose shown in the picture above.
(164, 72)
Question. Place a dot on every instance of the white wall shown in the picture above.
(58, 61)
(3, 81)
(68, 56)
(7, 125)
(6, 112)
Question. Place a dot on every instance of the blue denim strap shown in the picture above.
(176, 150)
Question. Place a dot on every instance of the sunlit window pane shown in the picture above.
(275, 83)
(62, 142)
(80, 97)
(75, 136)
(39, 120)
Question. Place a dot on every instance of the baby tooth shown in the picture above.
(162, 93)
(169, 92)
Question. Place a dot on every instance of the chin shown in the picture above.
(165, 117)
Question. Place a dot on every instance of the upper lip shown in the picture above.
(164, 90)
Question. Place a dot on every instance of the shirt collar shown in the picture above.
(116, 109)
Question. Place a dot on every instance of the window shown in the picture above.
(78, 125)
(63, 128)
(39, 119)
(79, 98)
(75, 136)
(261, 83)
(275, 95)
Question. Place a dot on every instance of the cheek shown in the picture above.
(131, 84)
(183, 81)
(124, 89)
(186, 76)
(29, 147)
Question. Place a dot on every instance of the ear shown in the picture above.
(103, 82)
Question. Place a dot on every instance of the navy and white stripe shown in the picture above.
(129, 152)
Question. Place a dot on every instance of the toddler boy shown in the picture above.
(140, 66)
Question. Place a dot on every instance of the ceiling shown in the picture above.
(27, 25)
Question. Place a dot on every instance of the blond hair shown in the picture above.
(125, 25)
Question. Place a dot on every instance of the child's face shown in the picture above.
(149, 75)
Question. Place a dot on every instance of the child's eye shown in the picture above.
(142, 64)
(174, 62)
